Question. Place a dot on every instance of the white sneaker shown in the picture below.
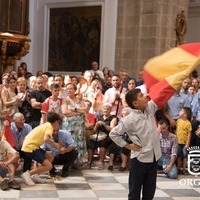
(27, 178)
(37, 179)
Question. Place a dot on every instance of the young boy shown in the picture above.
(52, 103)
(183, 133)
(32, 143)
(141, 128)
(8, 156)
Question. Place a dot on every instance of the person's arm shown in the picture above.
(35, 104)
(170, 119)
(48, 140)
(6, 102)
(113, 123)
(81, 108)
(116, 135)
(11, 160)
(64, 150)
(187, 145)
(170, 165)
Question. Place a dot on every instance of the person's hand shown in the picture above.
(4, 165)
(198, 132)
(172, 122)
(6, 123)
(62, 150)
(168, 168)
(135, 147)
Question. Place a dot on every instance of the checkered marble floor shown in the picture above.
(94, 184)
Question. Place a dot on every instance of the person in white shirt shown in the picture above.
(141, 128)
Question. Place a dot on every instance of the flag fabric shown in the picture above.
(164, 74)
(7, 134)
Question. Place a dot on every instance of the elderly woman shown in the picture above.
(74, 110)
(101, 139)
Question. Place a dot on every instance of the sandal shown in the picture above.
(101, 166)
(184, 172)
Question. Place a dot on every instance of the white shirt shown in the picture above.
(142, 130)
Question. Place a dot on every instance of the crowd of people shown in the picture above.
(64, 120)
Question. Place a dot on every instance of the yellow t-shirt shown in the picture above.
(35, 138)
(183, 128)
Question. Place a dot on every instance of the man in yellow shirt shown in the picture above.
(32, 143)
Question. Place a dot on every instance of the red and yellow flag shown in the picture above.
(164, 74)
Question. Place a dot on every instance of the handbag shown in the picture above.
(98, 136)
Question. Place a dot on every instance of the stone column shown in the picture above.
(145, 28)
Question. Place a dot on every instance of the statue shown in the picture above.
(180, 28)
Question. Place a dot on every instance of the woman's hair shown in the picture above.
(11, 78)
(75, 87)
(21, 80)
(94, 82)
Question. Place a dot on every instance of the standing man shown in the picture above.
(169, 148)
(141, 128)
(97, 74)
(37, 97)
(115, 95)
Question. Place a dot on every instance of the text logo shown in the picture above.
(194, 161)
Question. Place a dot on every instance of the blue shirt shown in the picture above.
(176, 103)
(64, 137)
(195, 106)
(20, 134)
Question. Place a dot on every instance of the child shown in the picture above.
(141, 128)
(52, 103)
(183, 132)
(32, 143)
(8, 156)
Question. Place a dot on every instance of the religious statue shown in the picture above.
(180, 28)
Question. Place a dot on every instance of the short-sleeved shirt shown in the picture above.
(183, 128)
(4, 149)
(40, 96)
(35, 138)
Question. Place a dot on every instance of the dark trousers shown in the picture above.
(66, 159)
(142, 176)
(27, 161)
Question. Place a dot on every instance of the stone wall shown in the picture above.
(145, 28)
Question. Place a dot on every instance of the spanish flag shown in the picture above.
(164, 74)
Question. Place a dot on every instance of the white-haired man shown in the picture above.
(20, 130)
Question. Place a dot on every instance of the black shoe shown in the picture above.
(122, 169)
(110, 168)
(4, 185)
(64, 174)
(14, 185)
(53, 173)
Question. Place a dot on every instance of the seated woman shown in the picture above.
(101, 139)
